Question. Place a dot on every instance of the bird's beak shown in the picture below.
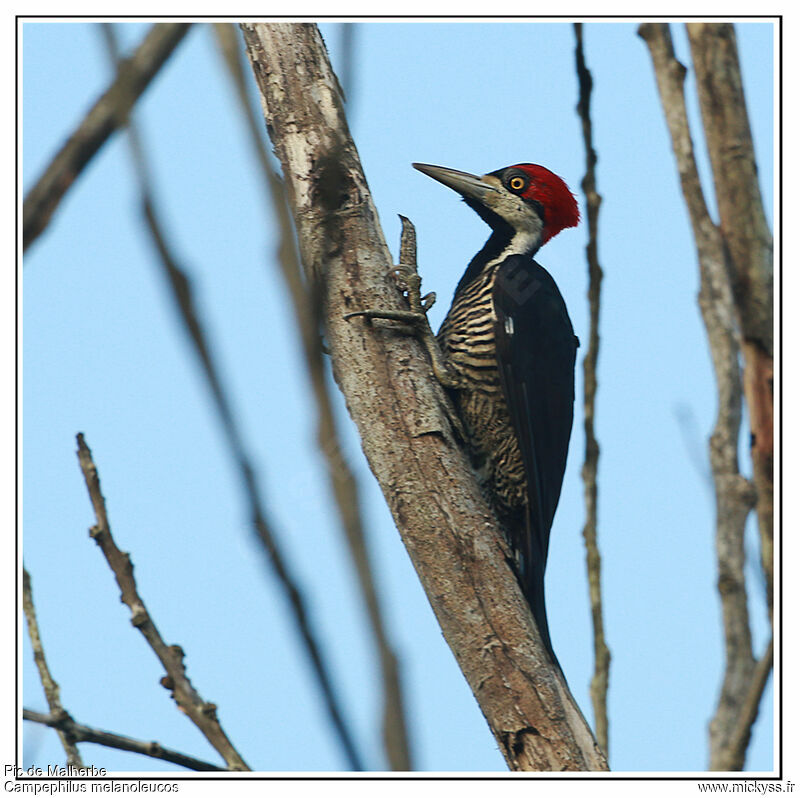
(469, 186)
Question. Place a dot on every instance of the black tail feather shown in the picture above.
(533, 588)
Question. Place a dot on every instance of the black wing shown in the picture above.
(536, 348)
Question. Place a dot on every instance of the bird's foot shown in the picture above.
(408, 281)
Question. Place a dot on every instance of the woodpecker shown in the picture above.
(509, 340)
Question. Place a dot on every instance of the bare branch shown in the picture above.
(734, 494)
(51, 689)
(602, 656)
(748, 248)
(200, 712)
(730, 147)
(108, 114)
(307, 311)
(64, 724)
(748, 711)
(181, 288)
(452, 537)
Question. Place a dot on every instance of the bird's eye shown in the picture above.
(517, 183)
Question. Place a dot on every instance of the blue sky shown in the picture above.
(104, 354)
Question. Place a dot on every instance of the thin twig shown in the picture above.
(51, 689)
(108, 114)
(343, 483)
(64, 724)
(181, 288)
(200, 712)
(734, 494)
(602, 656)
(748, 709)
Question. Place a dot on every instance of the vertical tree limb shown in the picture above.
(307, 312)
(734, 494)
(108, 114)
(453, 539)
(51, 690)
(739, 737)
(748, 248)
(602, 657)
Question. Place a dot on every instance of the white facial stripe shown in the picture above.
(519, 214)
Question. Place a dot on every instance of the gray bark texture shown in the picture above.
(453, 539)
(748, 249)
(598, 687)
(726, 317)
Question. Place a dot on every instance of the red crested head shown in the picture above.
(525, 198)
(541, 187)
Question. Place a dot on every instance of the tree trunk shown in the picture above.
(453, 539)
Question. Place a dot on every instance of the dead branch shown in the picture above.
(51, 689)
(203, 714)
(343, 483)
(64, 724)
(602, 657)
(180, 285)
(748, 248)
(453, 539)
(739, 738)
(734, 494)
(107, 115)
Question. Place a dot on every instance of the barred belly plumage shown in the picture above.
(467, 340)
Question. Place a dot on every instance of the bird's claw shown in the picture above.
(407, 316)
(407, 279)
(428, 301)
(409, 283)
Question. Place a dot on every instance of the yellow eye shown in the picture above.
(516, 183)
